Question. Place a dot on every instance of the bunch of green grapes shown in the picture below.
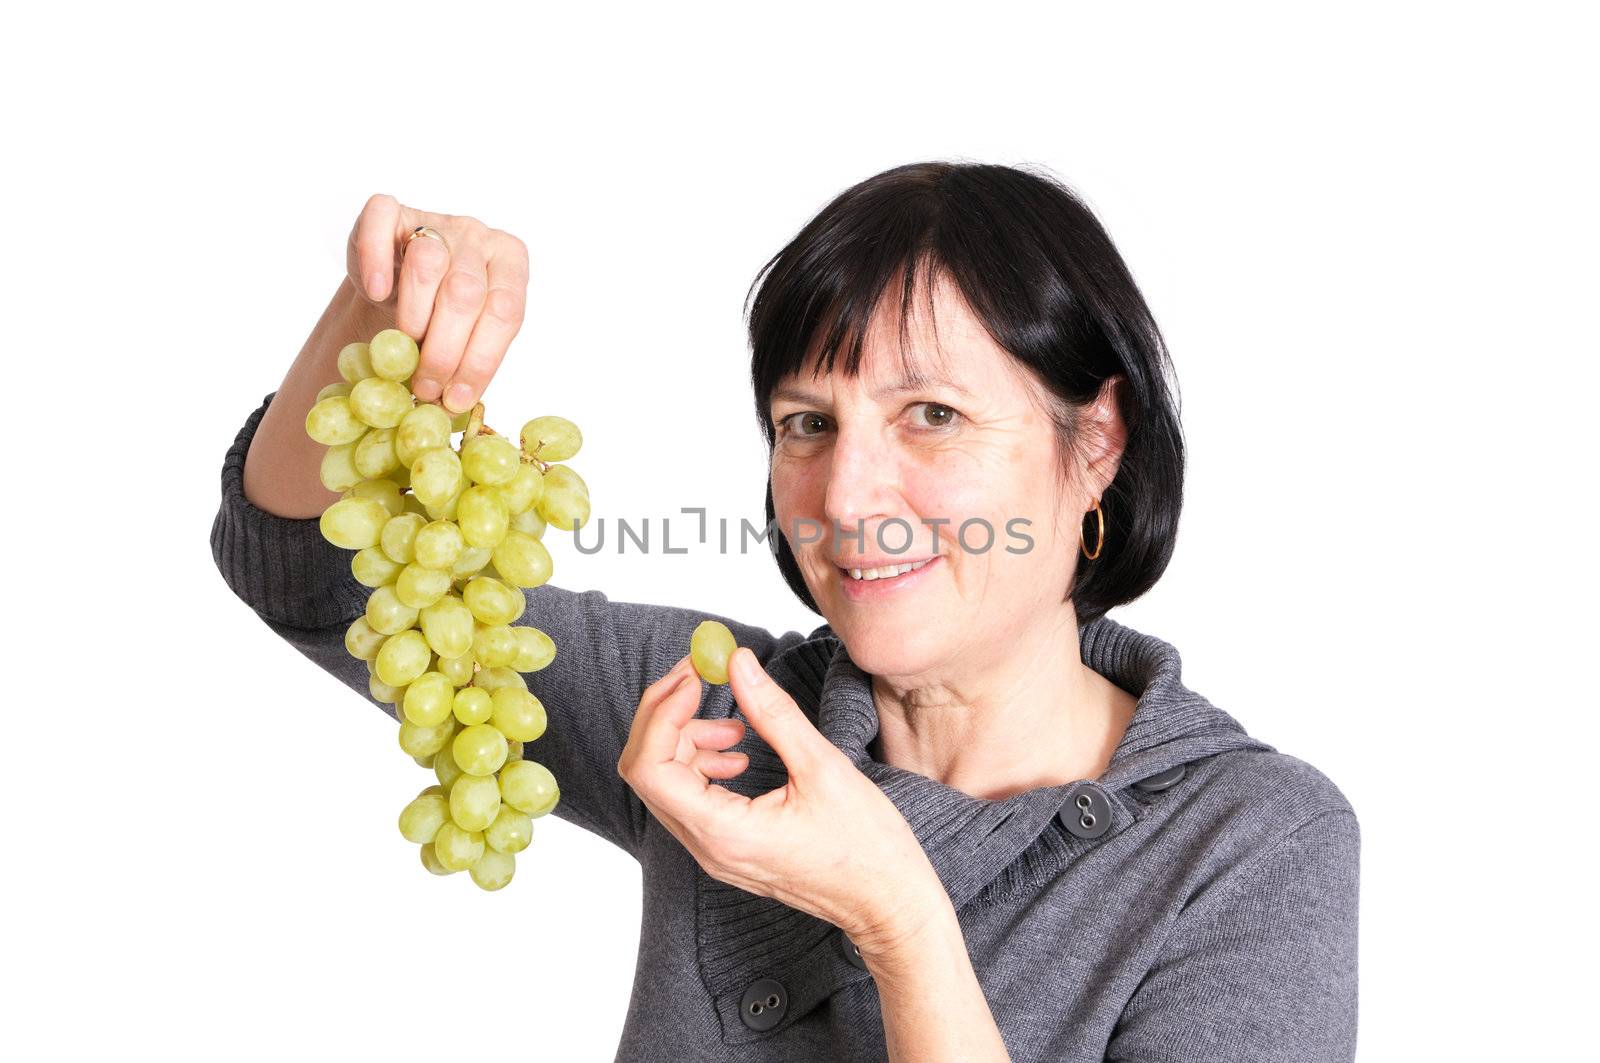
(447, 537)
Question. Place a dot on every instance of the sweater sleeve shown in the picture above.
(1263, 966)
(606, 652)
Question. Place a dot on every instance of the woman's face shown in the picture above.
(908, 465)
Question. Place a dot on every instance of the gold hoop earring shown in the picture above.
(1102, 540)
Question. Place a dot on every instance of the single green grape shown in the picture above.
(709, 649)
(529, 787)
(380, 403)
(438, 544)
(489, 459)
(494, 645)
(429, 699)
(535, 649)
(436, 476)
(493, 602)
(430, 860)
(493, 870)
(447, 625)
(459, 669)
(518, 714)
(492, 679)
(524, 489)
(450, 508)
(361, 641)
(551, 438)
(421, 819)
(353, 523)
(530, 522)
(566, 498)
(511, 831)
(383, 692)
(482, 516)
(457, 849)
(480, 749)
(522, 559)
(332, 421)
(355, 362)
(388, 614)
(473, 705)
(374, 454)
(474, 801)
(338, 471)
(425, 427)
(341, 388)
(393, 354)
(399, 537)
(420, 741)
(402, 658)
(471, 560)
(383, 491)
(420, 587)
(445, 769)
(374, 568)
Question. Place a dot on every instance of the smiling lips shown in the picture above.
(886, 571)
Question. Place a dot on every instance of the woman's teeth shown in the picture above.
(887, 572)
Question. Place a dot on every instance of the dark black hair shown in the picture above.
(1043, 276)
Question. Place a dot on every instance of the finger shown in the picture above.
(774, 715)
(423, 264)
(498, 324)
(714, 764)
(455, 308)
(371, 251)
(663, 686)
(661, 727)
(714, 734)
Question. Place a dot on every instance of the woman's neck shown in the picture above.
(1033, 716)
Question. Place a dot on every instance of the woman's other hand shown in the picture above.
(462, 304)
(829, 842)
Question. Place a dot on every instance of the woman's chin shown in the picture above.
(879, 647)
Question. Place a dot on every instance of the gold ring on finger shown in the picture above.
(425, 230)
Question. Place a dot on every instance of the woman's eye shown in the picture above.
(935, 415)
(806, 424)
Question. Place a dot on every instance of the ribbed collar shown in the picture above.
(973, 843)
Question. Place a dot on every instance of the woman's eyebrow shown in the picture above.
(794, 393)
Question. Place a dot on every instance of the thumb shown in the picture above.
(774, 714)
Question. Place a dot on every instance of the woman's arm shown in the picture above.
(933, 1008)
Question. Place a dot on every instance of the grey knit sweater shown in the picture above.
(1197, 902)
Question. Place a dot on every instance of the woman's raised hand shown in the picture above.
(463, 305)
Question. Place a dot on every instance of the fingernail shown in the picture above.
(458, 398)
(749, 670)
(427, 390)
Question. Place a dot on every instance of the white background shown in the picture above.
(1367, 231)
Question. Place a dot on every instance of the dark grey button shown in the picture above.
(1161, 779)
(1086, 814)
(851, 953)
(764, 1004)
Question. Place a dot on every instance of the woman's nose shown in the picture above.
(862, 480)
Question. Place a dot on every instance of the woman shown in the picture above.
(972, 817)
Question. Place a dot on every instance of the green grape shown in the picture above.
(494, 645)
(522, 560)
(488, 459)
(566, 498)
(419, 741)
(446, 770)
(341, 389)
(472, 705)
(413, 503)
(529, 522)
(493, 870)
(447, 625)
(518, 714)
(459, 422)
(431, 861)
(339, 472)
(524, 489)
(383, 692)
(511, 831)
(402, 658)
(429, 699)
(355, 362)
(421, 587)
(393, 354)
(535, 649)
(383, 491)
(425, 762)
(529, 787)
(492, 679)
(436, 476)
(426, 790)
(709, 649)
(551, 438)
(474, 801)
(361, 641)
(427, 426)
(380, 403)
(457, 849)
(471, 560)
(479, 749)
(513, 749)
(353, 523)
(421, 819)
(438, 545)
(399, 536)
(374, 455)
(374, 568)
(493, 602)
(483, 516)
(332, 422)
(458, 669)
(450, 507)
(387, 613)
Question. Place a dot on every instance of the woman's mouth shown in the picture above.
(865, 584)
